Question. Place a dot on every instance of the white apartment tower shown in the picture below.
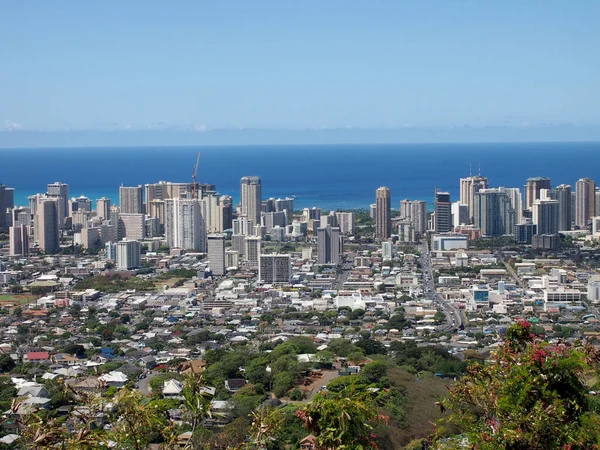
(216, 253)
(468, 188)
(128, 255)
(184, 226)
(251, 194)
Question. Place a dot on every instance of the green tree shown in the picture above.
(374, 372)
(531, 395)
(6, 363)
(343, 420)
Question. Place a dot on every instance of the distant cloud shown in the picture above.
(12, 126)
(200, 128)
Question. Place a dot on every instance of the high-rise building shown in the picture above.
(562, 193)
(545, 214)
(251, 194)
(226, 212)
(252, 250)
(329, 245)
(152, 227)
(184, 227)
(46, 224)
(5, 204)
(328, 219)
(132, 226)
(79, 204)
(415, 211)
(468, 188)
(524, 232)
(287, 205)
(273, 219)
(585, 204)
(309, 214)
(18, 237)
(443, 213)
(110, 251)
(373, 211)
(131, 199)
(593, 289)
(493, 213)
(90, 237)
(128, 255)
(164, 190)
(460, 214)
(597, 201)
(268, 205)
(242, 226)
(532, 189)
(274, 268)
(60, 191)
(232, 258)
(103, 208)
(345, 220)
(156, 208)
(387, 251)
(216, 253)
(21, 216)
(383, 221)
(516, 201)
(209, 208)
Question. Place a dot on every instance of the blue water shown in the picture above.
(331, 176)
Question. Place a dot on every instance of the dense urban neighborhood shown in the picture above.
(145, 344)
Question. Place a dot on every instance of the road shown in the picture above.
(343, 276)
(454, 317)
(144, 384)
(510, 270)
(328, 375)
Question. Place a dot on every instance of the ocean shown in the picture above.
(327, 176)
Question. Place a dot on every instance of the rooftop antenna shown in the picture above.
(470, 169)
(479, 168)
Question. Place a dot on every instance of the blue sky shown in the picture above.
(298, 64)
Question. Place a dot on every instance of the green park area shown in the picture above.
(15, 299)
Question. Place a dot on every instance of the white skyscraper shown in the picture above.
(184, 226)
(387, 251)
(128, 255)
(516, 201)
(468, 188)
(251, 194)
(216, 253)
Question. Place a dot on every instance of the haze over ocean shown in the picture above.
(327, 176)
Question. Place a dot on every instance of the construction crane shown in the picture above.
(195, 187)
